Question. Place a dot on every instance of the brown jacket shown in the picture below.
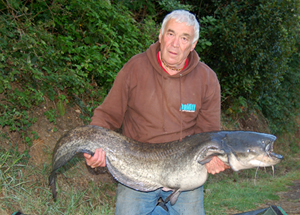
(155, 107)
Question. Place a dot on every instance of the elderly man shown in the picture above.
(162, 95)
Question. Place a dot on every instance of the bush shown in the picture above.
(64, 50)
(282, 106)
(71, 51)
(252, 43)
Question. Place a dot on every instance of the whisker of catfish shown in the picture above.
(257, 170)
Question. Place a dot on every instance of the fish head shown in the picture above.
(246, 149)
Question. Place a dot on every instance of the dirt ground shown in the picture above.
(290, 200)
(49, 133)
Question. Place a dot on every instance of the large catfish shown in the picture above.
(177, 165)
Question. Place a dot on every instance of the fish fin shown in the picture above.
(173, 197)
(205, 160)
(209, 156)
(206, 154)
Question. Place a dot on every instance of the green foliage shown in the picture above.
(169, 6)
(60, 105)
(98, 39)
(204, 42)
(51, 115)
(62, 50)
(72, 50)
(154, 8)
(252, 43)
(282, 106)
(17, 120)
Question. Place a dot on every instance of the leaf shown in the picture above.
(61, 108)
(208, 43)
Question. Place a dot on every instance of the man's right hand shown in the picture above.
(97, 160)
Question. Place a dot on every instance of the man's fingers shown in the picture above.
(102, 161)
(216, 166)
(87, 156)
(98, 159)
(91, 160)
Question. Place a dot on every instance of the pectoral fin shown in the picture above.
(205, 160)
(172, 197)
(207, 153)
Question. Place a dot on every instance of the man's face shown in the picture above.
(176, 43)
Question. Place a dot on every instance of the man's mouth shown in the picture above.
(172, 53)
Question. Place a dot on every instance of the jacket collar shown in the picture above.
(152, 52)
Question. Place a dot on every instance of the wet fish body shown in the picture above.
(177, 165)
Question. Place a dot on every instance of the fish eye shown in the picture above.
(250, 150)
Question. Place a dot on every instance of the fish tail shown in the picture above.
(52, 184)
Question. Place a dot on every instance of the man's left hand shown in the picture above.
(216, 165)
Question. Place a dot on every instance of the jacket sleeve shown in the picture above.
(209, 116)
(110, 113)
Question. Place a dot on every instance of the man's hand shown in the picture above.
(98, 159)
(216, 165)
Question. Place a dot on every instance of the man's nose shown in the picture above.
(175, 42)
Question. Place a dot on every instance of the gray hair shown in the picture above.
(183, 16)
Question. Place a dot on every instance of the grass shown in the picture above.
(25, 187)
(241, 193)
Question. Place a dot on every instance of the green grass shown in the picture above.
(242, 192)
(24, 187)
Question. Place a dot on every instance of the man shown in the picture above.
(162, 95)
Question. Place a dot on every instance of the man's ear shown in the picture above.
(159, 36)
(194, 45)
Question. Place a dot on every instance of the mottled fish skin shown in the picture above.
(177, 165)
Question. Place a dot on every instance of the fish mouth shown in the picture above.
(269, 150)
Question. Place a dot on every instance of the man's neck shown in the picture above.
(170, 70)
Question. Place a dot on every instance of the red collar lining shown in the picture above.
(159, 61)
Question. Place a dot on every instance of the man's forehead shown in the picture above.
(175, 26)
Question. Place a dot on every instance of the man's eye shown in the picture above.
(185, 39)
